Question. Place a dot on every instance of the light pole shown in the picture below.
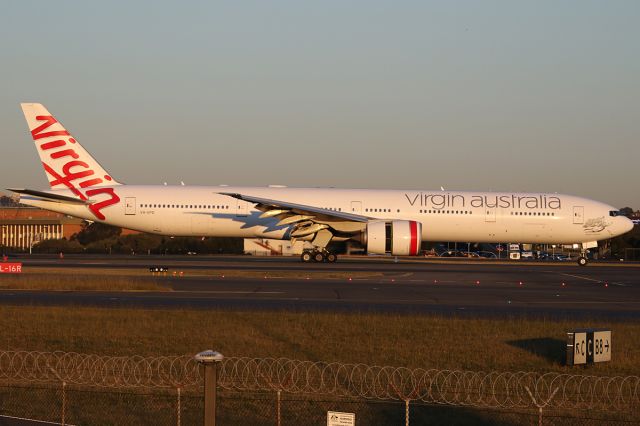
(210, 360)
(34, 239)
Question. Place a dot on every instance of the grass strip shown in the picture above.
(413, 341)
(83, 282)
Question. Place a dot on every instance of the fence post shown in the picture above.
(210, 360)
(406, 412)
(63, 414)
(278, 409)
(64, 404)
(179, 419)
(541, 404)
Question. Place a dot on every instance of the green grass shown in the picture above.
(413, 341)
(82, 282)
(83, 279)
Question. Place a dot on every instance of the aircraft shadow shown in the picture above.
(248, 221)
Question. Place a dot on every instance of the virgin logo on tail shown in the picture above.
(66, 167)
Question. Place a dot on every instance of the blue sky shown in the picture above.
(497, 95)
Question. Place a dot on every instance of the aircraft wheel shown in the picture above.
(583, 261)
(331, 257)
(306, 256)
(318, 257)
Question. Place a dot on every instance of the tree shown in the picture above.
(57, 246)
(8, 202)
(626, 211)
(94, 232)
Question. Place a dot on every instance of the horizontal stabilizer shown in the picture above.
(47, 196)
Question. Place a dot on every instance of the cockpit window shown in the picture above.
(615, 213)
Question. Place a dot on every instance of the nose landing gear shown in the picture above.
(583, 260)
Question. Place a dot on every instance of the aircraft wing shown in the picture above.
(47, 196)
(286, 209)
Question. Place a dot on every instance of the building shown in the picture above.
(22, 227)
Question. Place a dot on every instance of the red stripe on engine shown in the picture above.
(413, 230)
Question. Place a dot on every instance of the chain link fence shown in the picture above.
(73, 388)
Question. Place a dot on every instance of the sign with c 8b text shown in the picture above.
(588, 346)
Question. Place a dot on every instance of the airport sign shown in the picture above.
(602, 346)
(336, 418)
(588, 346)
(10, 268)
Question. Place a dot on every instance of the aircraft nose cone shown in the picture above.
(627, 225)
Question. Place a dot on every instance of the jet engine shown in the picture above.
(396, 237)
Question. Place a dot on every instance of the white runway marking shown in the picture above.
(236, 292)
(584, 302)
(594, 280)
(205, 292)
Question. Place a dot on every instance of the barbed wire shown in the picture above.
(447, 387)
(98, 370)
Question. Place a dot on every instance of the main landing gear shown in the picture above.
(582, 260)
(318, 256)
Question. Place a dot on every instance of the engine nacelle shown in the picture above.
(397, 237)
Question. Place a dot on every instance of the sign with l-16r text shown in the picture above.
(10, 268)
(336, 418)
(588, 346)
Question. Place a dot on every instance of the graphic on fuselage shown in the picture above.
(439, 201)
(66, 168)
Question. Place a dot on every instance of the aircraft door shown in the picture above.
(130, 206)
(356, 207)
(578, 214)
(491, 214)
(242, 208)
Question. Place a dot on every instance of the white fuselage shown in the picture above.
(445, 215)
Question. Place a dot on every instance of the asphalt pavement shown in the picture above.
(467, 288)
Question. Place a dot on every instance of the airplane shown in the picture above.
(387, 222)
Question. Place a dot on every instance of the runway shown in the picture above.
(472, 288)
